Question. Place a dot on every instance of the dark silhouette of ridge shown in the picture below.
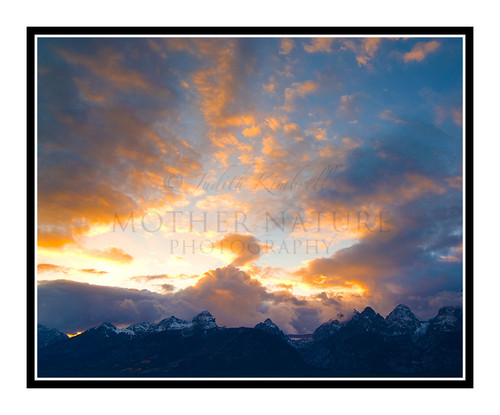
(401, 345)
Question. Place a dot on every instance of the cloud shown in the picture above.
(286, 46)
(319, 45)
(104, 144)
(73, 306)
(52, 268)
(270, 87)
(118, 116)
(109, 66)
(420, 51)
(251, 131)
(364, 49)
(147, 278)
(93, 271)
(246, 248)
(230, 294)
(111, 254)
(43, 268)
(48, 237)
(418, 249)
(389, 116)
(298, 89)
(350, 105)
(444, 112)
(445, 107)
(167, 288)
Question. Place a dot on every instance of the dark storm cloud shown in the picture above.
(230, 294)
(407, 171)
(73, 306)
(409, 264)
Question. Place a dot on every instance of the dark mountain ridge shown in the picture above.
(366, 345)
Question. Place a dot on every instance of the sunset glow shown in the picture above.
(291, 178)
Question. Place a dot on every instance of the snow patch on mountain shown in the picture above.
(401, 320)
(204, 321)
(172, 324)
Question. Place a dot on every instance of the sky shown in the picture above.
(291, 178)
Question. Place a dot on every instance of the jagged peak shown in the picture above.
(141, 324)
(172, 323)
(107, 328)
(327, 329)
(107, 325)
(139, 328)
(401, 320)
(401, 312)
(368, 310)
(170, 319)
(368, 319)
(269, 322)
(448, 310)
(204, 313)
(367, 313)
(268, 325)
(204, 320)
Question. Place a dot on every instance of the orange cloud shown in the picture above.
(420, 185)
(420, 51)
(44, 268)
(455, 182)
(273, 123)
(300, 89)
(48, 237)
(350, 105)
(443, 112)
(269, 87)
(319, 45)
(111, 254)
(286, 46)
(271, 147)
(389, 116)
(109, 66)
(93, 271)
(217, 85)
(364, 49)
(245, 248)
(251, 131)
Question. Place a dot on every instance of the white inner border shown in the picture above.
(464, 331)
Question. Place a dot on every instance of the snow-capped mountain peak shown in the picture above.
(107, 329)
(172, 323)
(448, 319)
(268, 322)
(327, 329)
(401, 320)
(48, 336)
(268, 326)
(141, 328)
(204, 320)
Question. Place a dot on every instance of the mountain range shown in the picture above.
(367, 345)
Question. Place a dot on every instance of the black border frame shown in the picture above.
(32, 32)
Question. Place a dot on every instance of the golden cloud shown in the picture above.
(319, 45)
(420, 51)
